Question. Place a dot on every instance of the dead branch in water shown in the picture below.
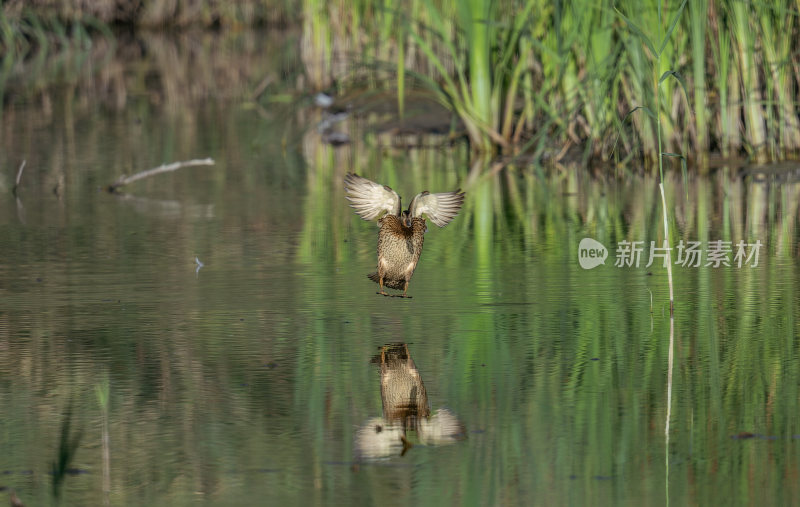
(19, 177)
(157, 170)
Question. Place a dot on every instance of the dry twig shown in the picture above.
(121, 182)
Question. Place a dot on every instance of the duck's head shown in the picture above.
(405, 217)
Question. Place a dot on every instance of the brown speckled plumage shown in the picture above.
(399, 248)
(401, 232)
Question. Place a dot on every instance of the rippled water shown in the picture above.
(256, 379)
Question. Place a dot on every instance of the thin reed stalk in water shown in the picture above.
(656, 115)
(102, 391)
(669, 251)
(19, 178)
(669, 402)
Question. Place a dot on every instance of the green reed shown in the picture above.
(490, 55)
(698, 22)
(510, 70)
(657, 49)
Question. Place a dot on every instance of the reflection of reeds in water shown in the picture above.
(519, 365)
(102, 392)
(67, 447)
(517, 209)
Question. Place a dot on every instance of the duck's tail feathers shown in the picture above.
(392, 284)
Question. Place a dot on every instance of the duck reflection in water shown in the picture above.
(402, 232)
(405, 408)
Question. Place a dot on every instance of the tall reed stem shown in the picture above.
(669, 250)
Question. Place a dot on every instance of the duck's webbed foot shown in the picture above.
(383, 292)
(380, 282)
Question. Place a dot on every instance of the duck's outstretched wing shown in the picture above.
(370, 199)
(440, 208)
